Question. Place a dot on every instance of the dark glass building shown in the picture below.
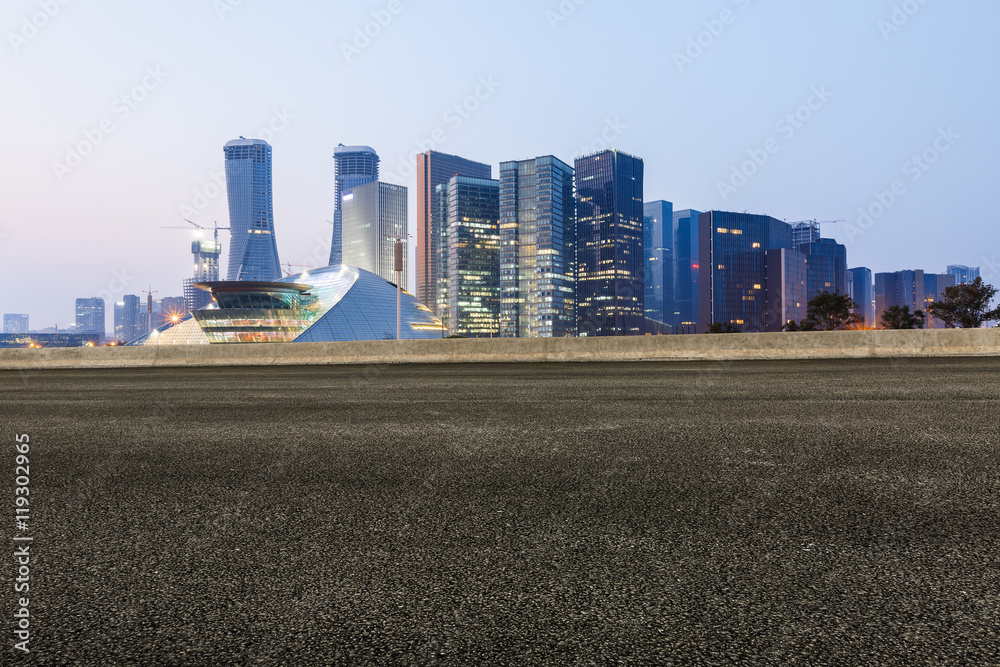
(352, 166)
(786, 288)
(470, 212)
(537, 256)
(435, 169)
(734, 273)
(610, 267)
(862, 290)
(658, 243)
(827, 267)
(686, 271)
(915, 289)
(253, 252)
(374, 216)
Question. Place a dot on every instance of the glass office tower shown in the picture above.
(470, 210)
(435, 169)
(352, 166)
(862, 291)
(90, 316)
(610, 289)
(827, 267)
(658, 242)
(537, 256)
(374, 217)
(686, 271)
(734, 273)
(915, 289)
(253, 252)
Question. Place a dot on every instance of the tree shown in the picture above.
(828, 312)
(901, 318)
(966, 306)
(722, 328)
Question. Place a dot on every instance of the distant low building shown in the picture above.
(15, 323)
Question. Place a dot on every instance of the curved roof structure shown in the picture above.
(338, 303)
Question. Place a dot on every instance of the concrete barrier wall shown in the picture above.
(718, 347)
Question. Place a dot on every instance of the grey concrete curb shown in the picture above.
(720, 347)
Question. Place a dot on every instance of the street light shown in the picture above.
(398, 257)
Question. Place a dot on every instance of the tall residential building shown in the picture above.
(827, 266)
(15, 323)
(119, 328)
(352, 166)
(433, 170)
(964, 275)
(610, 289)
(686, 271)
(861, 288)
(374, 217)
(253, 254)
(537, 252)
(658, 243)
(90, 316)
(470, 211)
(734, 275)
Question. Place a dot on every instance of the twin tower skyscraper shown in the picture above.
(253, 254)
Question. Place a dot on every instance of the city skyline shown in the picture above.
(815, 133)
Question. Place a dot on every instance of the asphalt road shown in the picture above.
(810, 513)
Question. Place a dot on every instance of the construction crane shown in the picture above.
(200, 228)
(298, 266)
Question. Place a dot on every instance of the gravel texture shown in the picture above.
(810, 513)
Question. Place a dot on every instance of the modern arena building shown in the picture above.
(333, 303)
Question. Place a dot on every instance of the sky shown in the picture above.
(880, 113)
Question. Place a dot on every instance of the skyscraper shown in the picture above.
(374, 216)
(435, 169)
(658, 242)
(470, 213)
(861, 289)
(253, 254)
(15, 323)
(964, 275)
(537, 256)
(610, 289)
(352, 166)
(786, 289)
(90, 316)
(804, 232)
(686, 271)
(206, 269)
(734, 285)
(827, 266)
(134, 318)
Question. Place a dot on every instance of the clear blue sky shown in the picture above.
(558, 73)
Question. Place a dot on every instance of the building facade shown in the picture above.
(15, 323)
(733, 257)
(435, 169)
(537, 249)
(658, 244)
(206, 254)
(469, 208)
(686, 271)
(253, 254)
(610, 267)
(352, 166)
(861, 289)
(787, 288)
(374, 216)
(964, 275)
(90, 316)
(827, 267)
(915, 289)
